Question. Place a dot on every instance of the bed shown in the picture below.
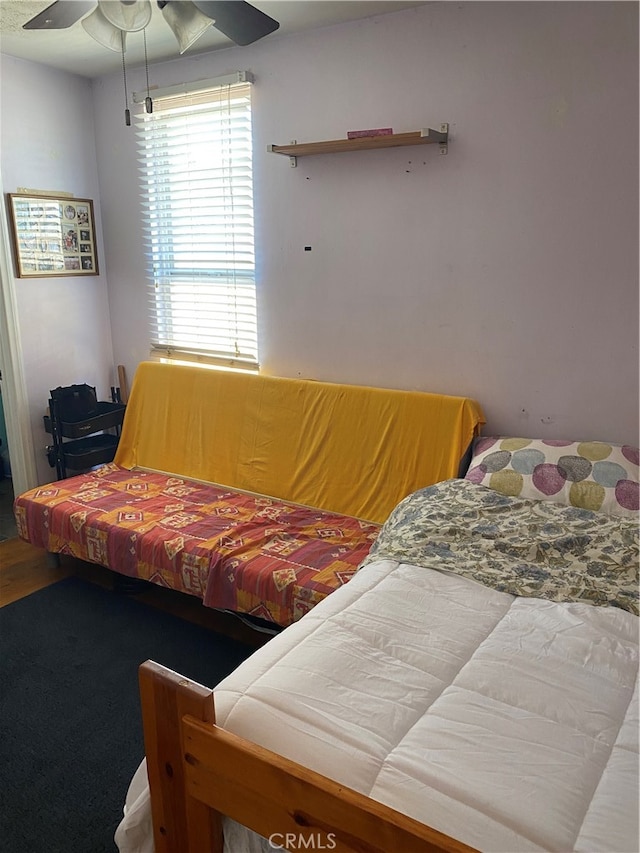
(474, 686)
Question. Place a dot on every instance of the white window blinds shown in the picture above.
(197, 184)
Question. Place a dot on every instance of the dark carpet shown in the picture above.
(70, 727)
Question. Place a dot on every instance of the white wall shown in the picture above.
(506, 270)
(47, 143)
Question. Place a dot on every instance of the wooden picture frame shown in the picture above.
(52, 236)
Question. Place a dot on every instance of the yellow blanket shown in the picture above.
(350, 449)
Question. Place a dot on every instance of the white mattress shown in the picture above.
(508, 723)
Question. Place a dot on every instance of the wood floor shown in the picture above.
(25, 569)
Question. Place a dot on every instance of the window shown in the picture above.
(197, 185)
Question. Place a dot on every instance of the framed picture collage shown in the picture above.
(53, 236)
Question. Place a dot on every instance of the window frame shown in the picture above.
(214, 216)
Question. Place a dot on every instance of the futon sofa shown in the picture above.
(257, 494)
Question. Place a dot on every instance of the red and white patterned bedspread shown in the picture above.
(236, 551)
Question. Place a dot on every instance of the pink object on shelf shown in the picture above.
(376, 131)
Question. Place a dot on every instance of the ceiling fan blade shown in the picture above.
(239, 21)
(60, 15)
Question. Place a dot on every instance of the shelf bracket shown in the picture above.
(293, 160)
(441, 136)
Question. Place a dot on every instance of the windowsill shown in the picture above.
(201, 362)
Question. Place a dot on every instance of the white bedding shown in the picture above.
(509, 723)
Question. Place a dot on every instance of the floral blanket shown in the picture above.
(523, 547)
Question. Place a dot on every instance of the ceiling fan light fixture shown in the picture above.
(103, 31)
(128, 16)
(186, 21)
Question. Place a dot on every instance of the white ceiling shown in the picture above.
(72, 49)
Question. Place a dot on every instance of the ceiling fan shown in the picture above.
(110, 20)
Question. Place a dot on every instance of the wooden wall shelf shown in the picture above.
(426, 136)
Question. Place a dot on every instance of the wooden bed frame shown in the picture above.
(198, 772)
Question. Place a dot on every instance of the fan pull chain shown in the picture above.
(127, 113)
(148, 103)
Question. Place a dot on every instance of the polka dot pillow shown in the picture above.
(588, 474)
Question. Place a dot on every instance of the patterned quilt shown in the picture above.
(236, 551)
(523, 547)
